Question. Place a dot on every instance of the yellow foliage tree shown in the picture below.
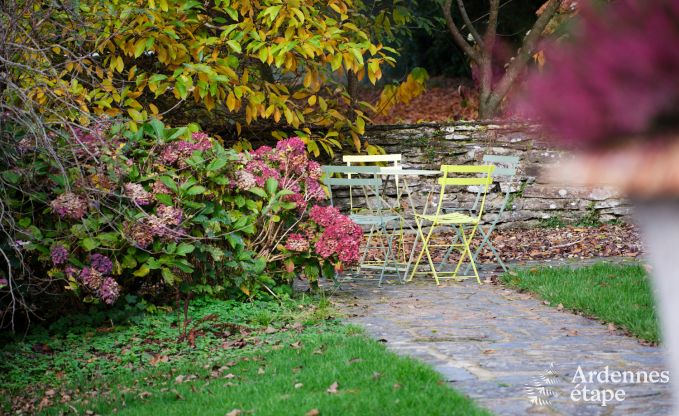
(278, 61)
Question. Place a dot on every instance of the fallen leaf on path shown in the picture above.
(559, 307)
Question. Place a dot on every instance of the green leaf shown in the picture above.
(169, 182)
(11, 176)
(185, 248)
(89, 244)
(216, 164)
(165, 199)
(129, 262)
(271, 186)
(196, 190)
(142, 271)
(258, 192)
(234, 45)
(169, 277)
(158, 128)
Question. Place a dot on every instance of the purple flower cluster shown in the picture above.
(297, 242)
(95, 278)
(617, 78)
(341, 236)
(176, 152)
(59, 254)
(101, 263)
(93, 141)
(287, 163)
(109, 291)
(138, 194)
(69, 205)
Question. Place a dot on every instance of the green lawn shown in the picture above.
(620, 294)
(261, 358)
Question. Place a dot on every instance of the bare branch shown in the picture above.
(457, 36)
(468, 23)
(518, 64)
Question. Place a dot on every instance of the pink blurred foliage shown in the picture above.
(617, 77)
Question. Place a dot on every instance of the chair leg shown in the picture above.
(468, 252)
(425, 241)
(366, 249)
(450, 249)
(486, 242)
(431, 261)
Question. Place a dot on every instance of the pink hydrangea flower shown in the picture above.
(341, 236)
(297, 242)
(324, 215)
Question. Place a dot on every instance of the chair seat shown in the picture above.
(363, 219)
(450, 218)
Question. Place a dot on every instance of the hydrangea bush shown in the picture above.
(124, 211)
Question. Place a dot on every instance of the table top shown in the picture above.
(399, 171)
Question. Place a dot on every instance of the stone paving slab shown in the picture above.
(497, 345)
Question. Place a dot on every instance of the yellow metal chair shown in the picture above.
(465, 225)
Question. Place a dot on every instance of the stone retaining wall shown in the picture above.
(427, 146)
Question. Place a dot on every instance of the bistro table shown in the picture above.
(401, 178)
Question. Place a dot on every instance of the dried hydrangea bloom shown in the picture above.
(177, 152)
(314, 170)
(91, 278)
(101, 263)
(156, 226)
(245, 180)
(109, 291)
(297, 242)
(59, 254)
(69, 205)
(170, 215)
(140, 234)
(159, 188)
(138, 194)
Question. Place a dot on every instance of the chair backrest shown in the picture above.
(466, 175)
(363, 179)
(393, 158)
(504, 165)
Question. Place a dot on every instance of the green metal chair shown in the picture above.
(505, 167)
(465, 224)
(366, 208)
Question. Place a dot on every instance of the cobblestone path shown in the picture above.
(497, 345)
